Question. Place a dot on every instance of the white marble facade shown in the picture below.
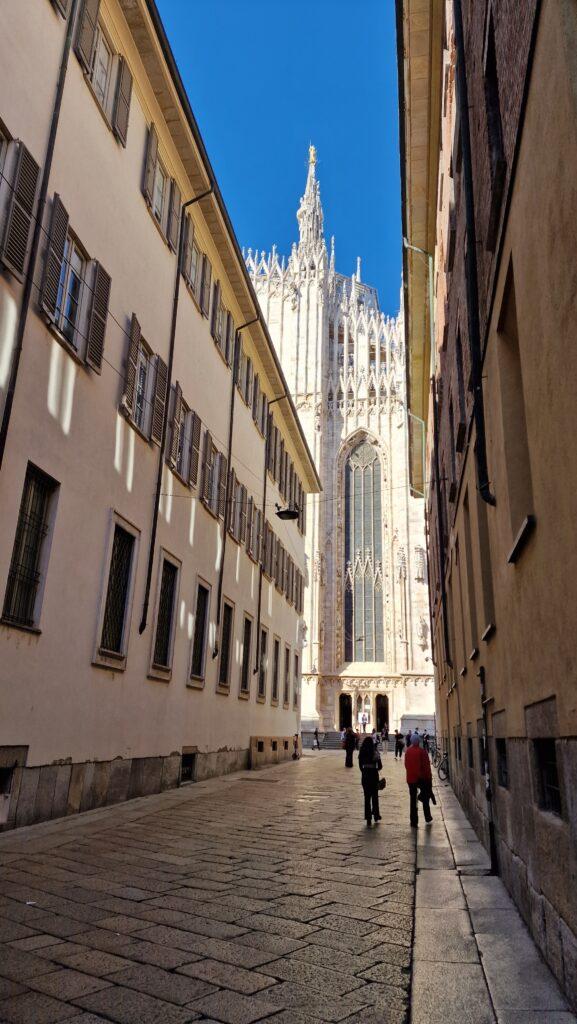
(367, 644)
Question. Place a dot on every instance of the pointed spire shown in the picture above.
(359, 269)
(310, 214)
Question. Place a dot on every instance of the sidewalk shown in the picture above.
(473, 958)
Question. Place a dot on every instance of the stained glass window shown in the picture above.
(363, 598)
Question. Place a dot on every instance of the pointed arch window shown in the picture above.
(363, 597)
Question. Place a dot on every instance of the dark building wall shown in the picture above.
(512, 585)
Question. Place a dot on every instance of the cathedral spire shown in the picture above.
(310, 214)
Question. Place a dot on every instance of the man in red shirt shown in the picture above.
(418, 768)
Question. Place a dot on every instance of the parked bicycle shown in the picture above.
(443, 767)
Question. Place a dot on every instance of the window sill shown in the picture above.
(274, 702)
(110, 660)
(474, 654)
(527, 527)
(156, 223)
(488, 632)
(223, 690)
(463, 671)
(210, 511)
(99, 106)
(261, 699)
(129, 419)
(286, 706)
(163, 675)
(244, 695)
(195, 683)
(66, 345)
(34, 630)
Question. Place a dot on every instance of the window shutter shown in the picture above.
(207, 468)
(186, 267)
(264, 414)
(174, 216)
(215, 305)
(54, 257)
(233, 513)
(258, 540)
(150, 164)
(97, 318)
(86, 32)
(175, 425)
(122, 101)
(279, 465)
(304, 514)
(222, 474)
(19, 213)
(250, 527)
(243, 515)
(255, 399)
(205, 288)
(229, 353)
(194, 449)
(159, 401)
(131, 363)
(241, 373)
(249, 380)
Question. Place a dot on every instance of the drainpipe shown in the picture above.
(440, 519)
(471, 263)
(261, 567)
(180, 255)
(233, 384)
(35, 244)
(485, 701)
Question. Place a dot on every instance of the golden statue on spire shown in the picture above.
(312, 154)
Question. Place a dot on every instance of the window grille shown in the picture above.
(548, 775)
(200, 623)
(117, 592)
(363, 598)
(165, 614)
(245, 671)
(24, 575)
(226, 643)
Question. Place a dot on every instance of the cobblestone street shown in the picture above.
(259, 896)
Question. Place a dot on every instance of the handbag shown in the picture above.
(382, 783)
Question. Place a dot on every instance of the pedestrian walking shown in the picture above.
(426, 741)
(296, 753)
(316, 739)
(419, 781)
(375, 738)
(408, 739)
(364, 721)
(399, 745)
(350, 744)
(385, 735)
(370, 765)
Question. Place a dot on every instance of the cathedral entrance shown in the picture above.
(345, 711)
(382, 708)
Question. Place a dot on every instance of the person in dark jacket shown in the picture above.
(370, 765)
(350, 745)
(419, 781)
(399, 745)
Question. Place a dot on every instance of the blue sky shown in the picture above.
(266, 77)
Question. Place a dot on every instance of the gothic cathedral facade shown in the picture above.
(367, 648)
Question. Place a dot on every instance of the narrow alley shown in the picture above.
(263, 896)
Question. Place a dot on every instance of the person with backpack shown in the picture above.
(419, 781)
(370, 765)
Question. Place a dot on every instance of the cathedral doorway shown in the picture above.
(382, 709)
(345, 711)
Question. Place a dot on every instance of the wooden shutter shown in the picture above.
(159, 400)
(54, 257)
(243, 515)
(150, 165)
(175, 425)
(122, 101)
(131, 364)
(229, 348)
(97, 318)
(205, 288)
(14, 249)
(259, 535)
(215, 307)
(194, 449)
(250, 527)
(222, 474)
(279, 463)
(86, 32)
(174, 216)
(232, 519)
(186, 266)
(241, 372)
(255, 398)
(207, 468)
(249, 381)
(264, 414)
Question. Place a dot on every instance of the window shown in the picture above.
(548, 789)
(162, 656)
(275, 669)
(145, 386)
(196, 271)
(20, 205)
(245, 667)
(159, 195)
(262, 664)
(502, 767)
(226, 644)
(200, 631)
(70, 291)
(363, 598)
(114, 624)
(29, 561)
(470, 761)
(296, 683)
(143, 392)
(287, 676)
(101, 70)
(161, 192)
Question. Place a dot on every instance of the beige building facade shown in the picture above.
(492, 197)
(152, 598)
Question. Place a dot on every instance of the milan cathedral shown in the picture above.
(367, 654)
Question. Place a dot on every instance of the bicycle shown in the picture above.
(443, 767)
